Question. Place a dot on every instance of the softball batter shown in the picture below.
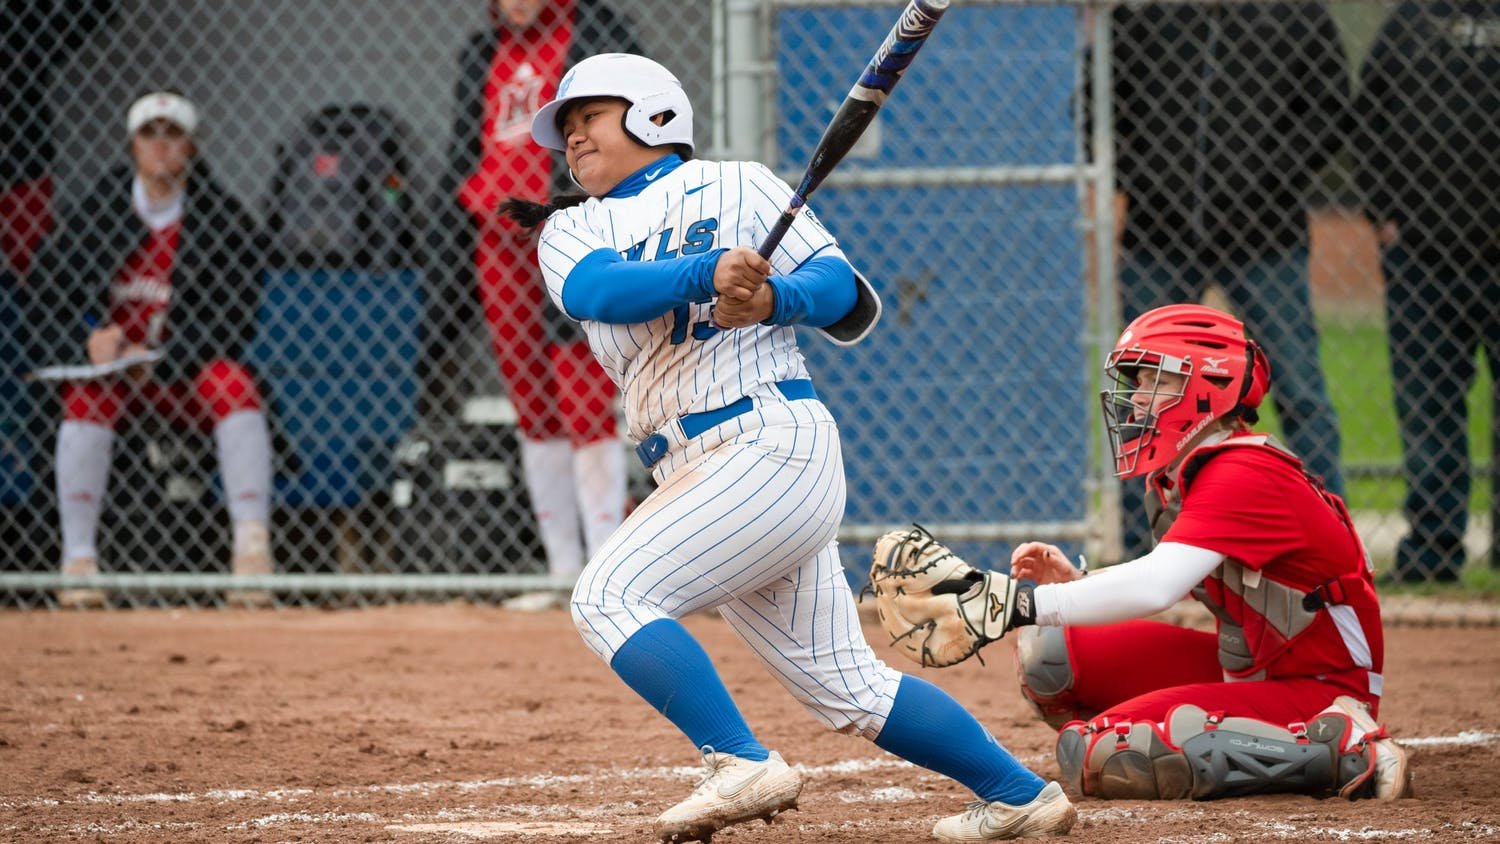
(697, 331)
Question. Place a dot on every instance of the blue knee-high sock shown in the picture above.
(664, 664)
(927, 727)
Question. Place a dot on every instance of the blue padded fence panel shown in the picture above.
(337, 350)
(968, 402)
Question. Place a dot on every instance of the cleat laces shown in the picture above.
(713, 763)
(976, 809)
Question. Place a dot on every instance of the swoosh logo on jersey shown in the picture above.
(726, 793)
(651, 177)
(691, 191)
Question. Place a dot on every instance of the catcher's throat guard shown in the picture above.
(937, 608)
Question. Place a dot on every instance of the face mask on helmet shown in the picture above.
(1175, 371)
(1146, 385)
(659, 112)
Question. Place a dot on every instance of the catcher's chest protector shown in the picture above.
(1258, 616)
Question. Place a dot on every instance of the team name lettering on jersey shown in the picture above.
(144, 289)
(699, 239)
(679, 363)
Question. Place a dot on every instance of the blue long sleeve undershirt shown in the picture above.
(818, 293)
(605, 287)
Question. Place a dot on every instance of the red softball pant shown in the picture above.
(558, 389)
(220, 388)
(1138, 670)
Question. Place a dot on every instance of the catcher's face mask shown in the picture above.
(1146, 386)
(1174, 371)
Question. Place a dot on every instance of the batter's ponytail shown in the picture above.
(529, 214)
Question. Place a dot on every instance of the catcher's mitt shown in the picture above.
(938, 609)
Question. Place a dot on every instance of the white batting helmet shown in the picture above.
(651, 90)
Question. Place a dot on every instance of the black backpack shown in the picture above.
(340, 197)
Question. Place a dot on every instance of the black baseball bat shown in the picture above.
(859, 107)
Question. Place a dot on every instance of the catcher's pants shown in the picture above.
(745, 520)
(1138, 670)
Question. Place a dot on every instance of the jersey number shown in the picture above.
(682, 321)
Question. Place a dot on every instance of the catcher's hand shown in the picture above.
(938, 609)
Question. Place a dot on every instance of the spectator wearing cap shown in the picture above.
(157, 256)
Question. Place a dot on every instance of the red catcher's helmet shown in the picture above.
(1225, 372)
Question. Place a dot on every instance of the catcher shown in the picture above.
(1282, 699)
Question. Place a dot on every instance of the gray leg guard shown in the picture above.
(1202, 756)
(1128, 761)
(1230, 764)
(1072, 746)
(1046, 675)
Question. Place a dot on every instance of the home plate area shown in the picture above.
(454, 723)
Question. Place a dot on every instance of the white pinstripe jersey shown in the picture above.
(678, 363)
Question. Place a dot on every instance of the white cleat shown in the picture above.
(252, 558)
(78, 598)
(1051, 813)
(733, 790)
(256, 563)
(1392, 768)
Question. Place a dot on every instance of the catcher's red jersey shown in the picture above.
(1254, 505)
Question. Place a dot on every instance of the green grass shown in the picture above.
(1356, 363)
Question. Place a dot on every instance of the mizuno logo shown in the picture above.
(1215, 365)
(650, 177)
(691, 191)
(728, 792)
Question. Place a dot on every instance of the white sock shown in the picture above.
(599, 477)
(244, 445)
(548, 465)
(83, 456)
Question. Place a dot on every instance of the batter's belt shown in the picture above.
(653, 448)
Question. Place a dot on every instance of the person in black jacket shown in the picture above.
(571, 454)
(1428, 161)
(36, 38)
(1224, 114)
(156, 257)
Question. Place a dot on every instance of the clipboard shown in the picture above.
(93, 371)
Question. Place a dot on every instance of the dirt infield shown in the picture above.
(461, 723)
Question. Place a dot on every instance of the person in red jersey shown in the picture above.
(157, 256)
(1284, 696)
(571, 453)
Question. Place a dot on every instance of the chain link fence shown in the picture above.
(363, 396)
